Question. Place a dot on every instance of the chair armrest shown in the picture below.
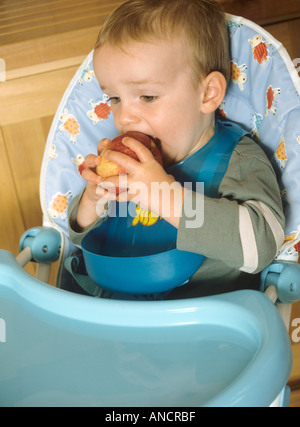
(44, 244)
(285, 276)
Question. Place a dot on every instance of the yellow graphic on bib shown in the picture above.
(145, 217)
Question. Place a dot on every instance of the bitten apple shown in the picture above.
(107, 169)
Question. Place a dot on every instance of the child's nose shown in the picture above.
(128, 116)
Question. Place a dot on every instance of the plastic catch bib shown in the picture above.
(145, 239)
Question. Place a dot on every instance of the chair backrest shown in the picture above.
(263, 95)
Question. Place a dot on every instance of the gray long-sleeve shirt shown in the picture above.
(241, 232)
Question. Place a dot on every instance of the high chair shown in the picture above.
(59, 348)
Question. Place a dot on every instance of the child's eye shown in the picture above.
(148, 98)
(114, 99)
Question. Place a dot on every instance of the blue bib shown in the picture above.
(141, 233)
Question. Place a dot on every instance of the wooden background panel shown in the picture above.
(289, 33)
(71, 45)
(263, 12)
(25, 157)
(31, 97)
(35, 19)
(10, 212)
(12, 222)
(295, 399)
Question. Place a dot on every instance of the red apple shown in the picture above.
(107, 168)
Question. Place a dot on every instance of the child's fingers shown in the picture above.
(92, 161)
(111, 184)
(126, 162)
(141, 151)
(90, 176)
(102, 144)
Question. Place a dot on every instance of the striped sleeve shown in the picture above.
(244, 228)
(249, 240)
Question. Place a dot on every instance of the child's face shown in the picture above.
(151, 91)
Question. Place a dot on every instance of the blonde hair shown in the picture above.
(199, 24)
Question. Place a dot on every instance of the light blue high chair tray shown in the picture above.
(59, 348)
(65, 349)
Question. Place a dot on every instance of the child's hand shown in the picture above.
(144, 183)
(94, 200)
(89, 173)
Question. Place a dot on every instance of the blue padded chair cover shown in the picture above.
(263, 96)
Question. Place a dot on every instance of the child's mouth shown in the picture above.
(156, 140)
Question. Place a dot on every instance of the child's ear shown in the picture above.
(213, 92)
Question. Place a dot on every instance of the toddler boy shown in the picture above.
(165, 66)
